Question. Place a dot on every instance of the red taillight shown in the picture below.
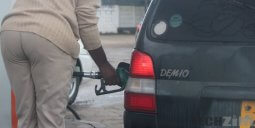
(141, 66)
(140, 102)
(140, 90)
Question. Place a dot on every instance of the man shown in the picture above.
(39, 47)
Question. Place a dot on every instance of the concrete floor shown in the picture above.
(103, 111)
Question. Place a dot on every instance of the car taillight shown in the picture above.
(140, 102)
(141, 65)
(140, 89)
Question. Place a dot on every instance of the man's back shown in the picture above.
(53, 19)
(35, 37)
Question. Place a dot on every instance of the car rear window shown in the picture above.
(204, 20)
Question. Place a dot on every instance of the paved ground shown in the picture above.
(103, 111)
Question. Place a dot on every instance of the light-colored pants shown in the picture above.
(40, 76)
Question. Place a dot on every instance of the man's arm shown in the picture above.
(87, 20)
(108, 72)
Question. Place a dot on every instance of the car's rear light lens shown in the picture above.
(140, 89)
(140, 102)
(140, 95)
(141, 66)
(137, 85)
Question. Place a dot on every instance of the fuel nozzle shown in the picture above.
(92, 75)
(122, 72)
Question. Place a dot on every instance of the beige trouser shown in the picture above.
(40, 75)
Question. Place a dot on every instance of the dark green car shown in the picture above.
(193, 66)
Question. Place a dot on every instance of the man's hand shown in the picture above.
(108, 72)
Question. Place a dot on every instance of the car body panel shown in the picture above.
(198, 79)
(139, 120)
(215, 72)
(85, 59)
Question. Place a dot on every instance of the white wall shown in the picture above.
(108, 19)
(113, 17)
(139, 14)
(4, 7)
(127, 16)
(5, 99)
(130, 16)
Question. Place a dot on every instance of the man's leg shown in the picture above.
(51, 71)
(18, 69)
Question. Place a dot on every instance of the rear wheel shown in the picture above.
(75, 83)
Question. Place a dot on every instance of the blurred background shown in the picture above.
(119, 22)
(121, 16)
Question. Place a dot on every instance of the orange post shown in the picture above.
(247, 114)
(13, 109)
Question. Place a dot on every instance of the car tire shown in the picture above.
(75, 84)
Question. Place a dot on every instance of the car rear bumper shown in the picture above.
(139, 120)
